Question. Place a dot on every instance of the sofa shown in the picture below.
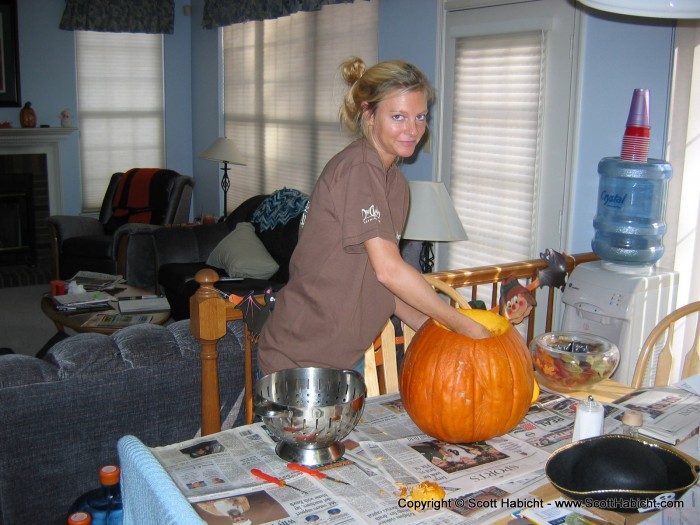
(63, 415)
(167, 259)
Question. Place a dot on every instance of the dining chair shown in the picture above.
(664, 332)
(381, 365)
(149, 494)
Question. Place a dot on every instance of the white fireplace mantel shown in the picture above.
(27, 141)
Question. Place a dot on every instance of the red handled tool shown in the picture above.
(316, 473)
(272, 479)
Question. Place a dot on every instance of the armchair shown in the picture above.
(140, 199)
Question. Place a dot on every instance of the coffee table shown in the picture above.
(75, 319)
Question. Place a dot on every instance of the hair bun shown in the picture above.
(353, 69)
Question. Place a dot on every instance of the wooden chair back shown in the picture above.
(381, 369)
(665, 332)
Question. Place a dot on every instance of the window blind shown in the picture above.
(283, 90)
(496, 145)
(120, 107)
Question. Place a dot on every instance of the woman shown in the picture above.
(347, 276)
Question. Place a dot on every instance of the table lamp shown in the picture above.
(224, 150)
(431, 217)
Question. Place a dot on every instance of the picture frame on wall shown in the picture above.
(9, 55)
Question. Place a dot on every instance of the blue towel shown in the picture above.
(149, 494)
(277, 209)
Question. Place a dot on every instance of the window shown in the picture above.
(120, 107)
(283, 90)
(505, 120)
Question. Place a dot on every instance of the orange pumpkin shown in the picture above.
(462, 390)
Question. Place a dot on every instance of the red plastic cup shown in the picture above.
(635, 142)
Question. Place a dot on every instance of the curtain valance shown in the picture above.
(119, 16)
(219, 13)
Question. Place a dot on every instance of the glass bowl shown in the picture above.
(570, 361)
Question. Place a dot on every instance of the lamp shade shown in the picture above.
(432, 215)
(223, 150)
(648, 8)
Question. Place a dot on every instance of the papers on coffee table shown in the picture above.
(143, 303)
(82, 300)
(93, 281)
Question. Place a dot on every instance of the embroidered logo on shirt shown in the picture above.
(303, 215)
(371, 214)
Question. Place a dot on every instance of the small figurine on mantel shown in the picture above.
(27, 116)
(66, 118)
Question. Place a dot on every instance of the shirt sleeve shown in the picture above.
(365, 209)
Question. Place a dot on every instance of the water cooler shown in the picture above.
(622, 303)
(623, 296)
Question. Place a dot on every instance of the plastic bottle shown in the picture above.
(629, 223)
(104, 504)
(631, 421)
(79, 518)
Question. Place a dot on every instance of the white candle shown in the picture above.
(589, 419)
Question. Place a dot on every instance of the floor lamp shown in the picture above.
(224, 150)
(431, 217)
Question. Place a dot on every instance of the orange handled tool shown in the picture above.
(272, 479)
(316, 473)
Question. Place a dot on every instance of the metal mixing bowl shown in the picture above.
(310, 410)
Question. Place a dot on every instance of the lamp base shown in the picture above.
(427, 257)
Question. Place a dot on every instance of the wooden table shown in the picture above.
(75, 319)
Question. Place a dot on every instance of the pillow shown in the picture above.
(242, 254)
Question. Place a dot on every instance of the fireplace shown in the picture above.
(17, 231)
(30, 191)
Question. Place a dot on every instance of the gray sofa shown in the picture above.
(62, 416)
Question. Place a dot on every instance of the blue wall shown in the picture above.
(618, 55)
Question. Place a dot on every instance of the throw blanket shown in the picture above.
(141, 196)
(279, 208)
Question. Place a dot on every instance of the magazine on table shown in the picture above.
(92, 281)
(116, 320)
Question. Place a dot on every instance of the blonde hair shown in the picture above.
(369, 86)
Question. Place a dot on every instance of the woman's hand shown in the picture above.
(473, 329)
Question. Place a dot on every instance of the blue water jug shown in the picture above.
(629, 223)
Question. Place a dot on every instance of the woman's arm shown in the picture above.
(410, 287)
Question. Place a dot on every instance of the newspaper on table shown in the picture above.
(385, 455)
(670, 414)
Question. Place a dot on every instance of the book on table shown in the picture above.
(145, 303)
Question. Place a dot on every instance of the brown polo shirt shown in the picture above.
(333, 306)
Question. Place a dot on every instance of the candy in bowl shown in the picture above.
(570, 361)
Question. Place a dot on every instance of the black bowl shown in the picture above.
(621, 473)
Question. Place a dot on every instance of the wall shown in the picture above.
(618, 54)
(48, 81)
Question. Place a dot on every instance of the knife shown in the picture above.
(260, 474)
(315, 473)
